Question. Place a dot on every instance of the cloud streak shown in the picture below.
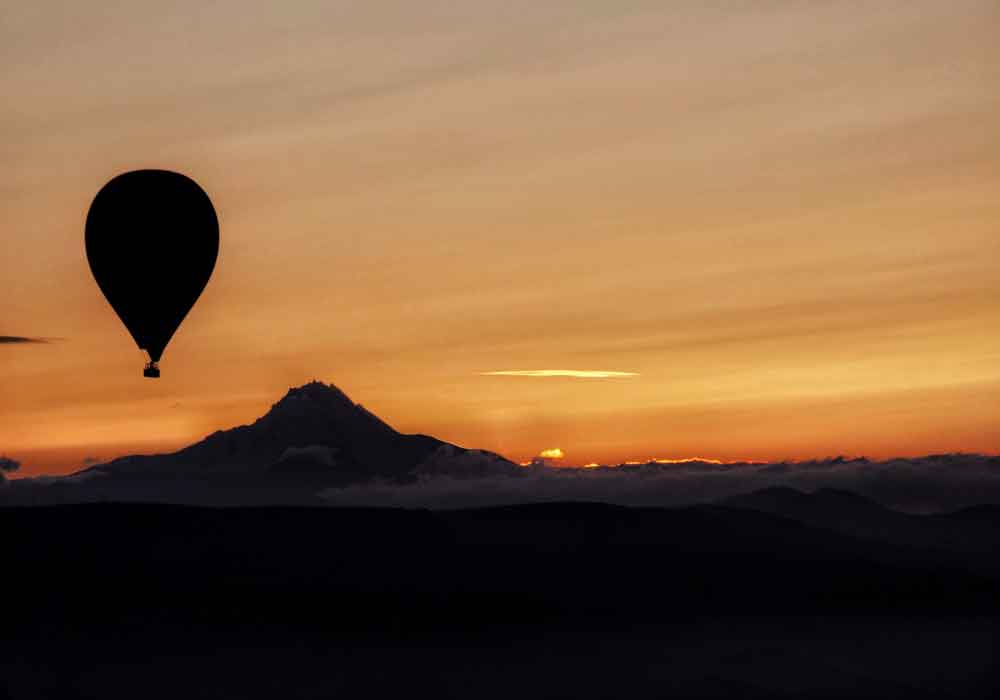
(20, 340)
(575, 373)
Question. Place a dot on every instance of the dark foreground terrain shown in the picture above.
(767, 597)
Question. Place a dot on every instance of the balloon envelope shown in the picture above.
(152, 239)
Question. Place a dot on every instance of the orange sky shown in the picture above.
(782, 218)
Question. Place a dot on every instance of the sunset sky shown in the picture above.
(735, 229)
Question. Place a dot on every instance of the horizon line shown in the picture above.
(574, 373)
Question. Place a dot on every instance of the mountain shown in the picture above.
(833, 508)
(313, 429)
(315, 437)
(971, 531)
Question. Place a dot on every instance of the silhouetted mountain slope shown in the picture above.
(971, 531)
(988, 513)
(580, 554)
(315, 428)
(840, 510)
(313, 438)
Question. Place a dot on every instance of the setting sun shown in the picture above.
(552, 453)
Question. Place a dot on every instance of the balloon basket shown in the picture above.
(151, 370)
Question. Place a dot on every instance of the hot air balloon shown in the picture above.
(152, 239)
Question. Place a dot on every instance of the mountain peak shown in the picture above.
(314, 391)
(318, 401)
(314, 388)
(314, 417)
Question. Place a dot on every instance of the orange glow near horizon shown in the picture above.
(757, 233)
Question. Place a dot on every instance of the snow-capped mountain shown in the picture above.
(314, 437)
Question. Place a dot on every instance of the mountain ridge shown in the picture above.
(315, 436)
(968, 530)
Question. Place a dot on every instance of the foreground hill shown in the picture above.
(544, 601)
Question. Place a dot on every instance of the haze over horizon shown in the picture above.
(765, 233)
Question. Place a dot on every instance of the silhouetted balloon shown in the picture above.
(152, 240)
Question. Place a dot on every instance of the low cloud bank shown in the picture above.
(924, 484)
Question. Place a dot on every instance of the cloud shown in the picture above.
(576, 373)
(924, 484)
(20, 340)
(552, 453)
(9, 465)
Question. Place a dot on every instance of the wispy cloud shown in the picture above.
(17, 339)
(577, 373)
